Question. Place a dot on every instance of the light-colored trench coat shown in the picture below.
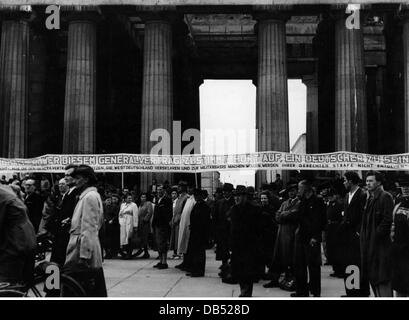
(184, 226)
(86, 221)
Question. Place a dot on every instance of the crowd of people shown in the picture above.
(274, 234)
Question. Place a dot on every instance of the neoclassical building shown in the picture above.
(113, 73)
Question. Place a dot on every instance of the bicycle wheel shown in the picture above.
(11, 293)
(70, 287)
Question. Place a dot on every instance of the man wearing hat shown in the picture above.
(218, 195)
(222, 225)
(199, 234)
(245, 242)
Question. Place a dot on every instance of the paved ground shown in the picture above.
(138, 278)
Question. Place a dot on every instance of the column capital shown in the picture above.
(159, 13)
(81, 13)
(272, 12)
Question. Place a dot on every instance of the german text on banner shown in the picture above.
(202, 163)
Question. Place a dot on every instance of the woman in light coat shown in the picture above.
(128, 222)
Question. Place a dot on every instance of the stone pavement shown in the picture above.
(138, 278)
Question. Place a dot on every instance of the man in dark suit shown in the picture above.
(63, 215)
(162, 215)
(245, 242)
(354, 203)
(34, 203)
(212, 205)
(308, 238)
(375, 236)
(199, 235)
(222, 226)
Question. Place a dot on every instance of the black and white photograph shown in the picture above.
(204, 149)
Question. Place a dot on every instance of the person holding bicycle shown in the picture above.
(17, 239)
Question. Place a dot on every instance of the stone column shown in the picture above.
(272, 93)
(80, 89)
(405, 41)
(37, 124)
(312, 113)
(14, 55)
(350, 101)
(157, 92)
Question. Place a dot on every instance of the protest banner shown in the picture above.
(202, 163)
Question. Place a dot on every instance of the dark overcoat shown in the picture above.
(162, 214)
(222, 227)
(199, 226)
(62, 231)
(17, 238)
(332, 232)
(375, 237)
(311, 220)
(400, 247)
(268, 233)
(286, 217)
(112, 230)
(35, 205)
(246, 229)
(351, 227)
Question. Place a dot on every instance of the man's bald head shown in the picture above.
(63, 186)
(30, 186)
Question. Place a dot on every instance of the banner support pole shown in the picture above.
(122, 180)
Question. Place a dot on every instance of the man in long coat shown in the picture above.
(335, 207)
(184, 230)
(211, 203)
(112, 234)
(63, 216)
(84, 255)
(286, 218)
(245, 242)
(199, 235)
(354, 203)
(269, 232)
(308, 238)
(222, 224)
(375, 236)
(177, 213)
